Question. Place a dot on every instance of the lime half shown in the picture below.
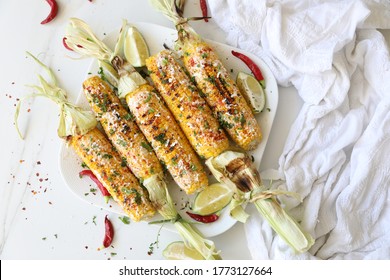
(179, 251)
(212, 199)
(136, 50)
(252, 91)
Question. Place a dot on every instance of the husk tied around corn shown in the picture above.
(236, 170)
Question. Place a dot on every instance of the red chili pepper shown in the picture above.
(109, 234)
(203, 6)
(252, 66)
(203, 219)
(102, 189)
(65, 44)
(53, 11)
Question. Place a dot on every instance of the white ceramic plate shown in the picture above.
(156, 36)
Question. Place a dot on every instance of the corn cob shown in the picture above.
(189, 108)
(99, 155)
(212, 79)
(166, 138)
(78, 128)
(79, 34)
(121, 129)
(222, 94)
(232, 168)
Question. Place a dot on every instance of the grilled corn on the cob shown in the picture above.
(222, 94)
(121, 129)
(168, 141)
(189, 108)
(99, 155)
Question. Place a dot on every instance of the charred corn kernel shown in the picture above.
(100, 156)
(121, 129)
(168, 141)
(188, 107)
(222, 94)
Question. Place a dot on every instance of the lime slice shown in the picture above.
(135, 48)
(252, 91)
(212, 199)
(178, 251)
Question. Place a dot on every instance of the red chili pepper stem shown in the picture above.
(53, 11)
(252, 66)
(203, 7)
(109, 232)
(102, 189)
(203, 219)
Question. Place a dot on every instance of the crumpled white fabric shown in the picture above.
(337, 153)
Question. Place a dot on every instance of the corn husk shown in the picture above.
(73, 119)
(236, 169)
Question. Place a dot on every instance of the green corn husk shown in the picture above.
(83, 41)
(73, 120)
(162, 201)
(236, 169)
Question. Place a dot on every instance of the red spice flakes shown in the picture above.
(28, 110)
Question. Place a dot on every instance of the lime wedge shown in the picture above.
(252, 91)
(179, 251)
(212, 199)
(135, 48)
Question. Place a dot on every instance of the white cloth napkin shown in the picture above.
(337, 153)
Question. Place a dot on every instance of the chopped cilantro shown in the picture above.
(129, 117)
(124, 220)
(146, 146)
(137, 197)
(224, 123)
(108, 156)
(121, 142)
(148, 98)
(161, 138)
(124, 162)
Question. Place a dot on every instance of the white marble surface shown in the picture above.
(39, 217)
